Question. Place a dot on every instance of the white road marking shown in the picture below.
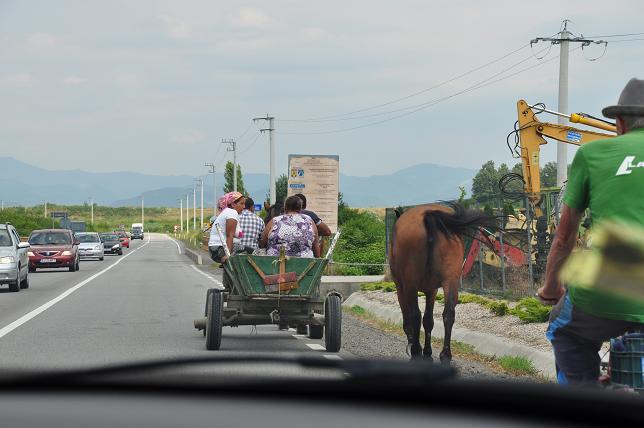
(299, 336)
(215, 280)
(291, 329)
(316, 346)
(332, 357)
(23, 319)
(175, 241)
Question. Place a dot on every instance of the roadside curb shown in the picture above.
(193, 255)
(484, 343)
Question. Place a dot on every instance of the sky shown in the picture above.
(154, 86)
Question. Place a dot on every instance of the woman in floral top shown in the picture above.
(293, 230)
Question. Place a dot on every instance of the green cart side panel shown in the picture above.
(248, 281)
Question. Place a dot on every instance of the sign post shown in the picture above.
(318, 178)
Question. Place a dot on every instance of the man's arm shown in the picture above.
(263, 241)
(562, 246)
(316, 241)
(323, 229)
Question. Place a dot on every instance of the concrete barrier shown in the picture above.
(346, 285)
(195, 256)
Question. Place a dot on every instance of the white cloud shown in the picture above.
(250, 17)
(42, 41)
(128, 80)
(16, 80)
(189, 138)
(74, 80)
(314, 33)
(176, 28)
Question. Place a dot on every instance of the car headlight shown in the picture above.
(114, 247)
(7, 260)
(30, 254)
(66, 253)
(98, 247)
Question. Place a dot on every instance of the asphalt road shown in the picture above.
(135, 307)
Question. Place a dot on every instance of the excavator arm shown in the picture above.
(531, 137)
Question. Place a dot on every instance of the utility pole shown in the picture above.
(199, 180)
(194, 207)
(45, 208)
(142, 214)
(181, 213)
(271, 134)
(564, 39)
(232, 147)
(91, 207)
(211, 170)
(187, 212)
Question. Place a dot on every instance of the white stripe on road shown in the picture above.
(175, 241)
(23, 319)
(316, 346)
(215, 280)
(300, 336)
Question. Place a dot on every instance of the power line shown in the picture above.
(479, 85)
(618, 35)
(250, 146)
(625, 40)
(410, 95)
(411, 107)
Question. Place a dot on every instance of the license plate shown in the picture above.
(47, 260)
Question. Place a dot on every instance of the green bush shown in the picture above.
(530, 310)
(517, 365)
(362, 241)
(378, 286)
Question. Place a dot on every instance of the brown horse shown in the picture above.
(426, 253)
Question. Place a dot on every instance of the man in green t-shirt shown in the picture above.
(607, 176)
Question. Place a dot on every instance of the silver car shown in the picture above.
(90, 246)
(14, 260)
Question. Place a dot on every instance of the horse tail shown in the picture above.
(461, 222)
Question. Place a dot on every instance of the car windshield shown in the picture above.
(87, 237)
(342, 180)
(5, 239)
(50, 238)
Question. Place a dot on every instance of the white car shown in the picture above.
(14, 260)
(90, 246)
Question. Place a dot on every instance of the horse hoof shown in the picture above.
(428, 357)
(446, 358)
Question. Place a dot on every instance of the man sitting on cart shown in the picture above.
(606, 176)
(230, 204)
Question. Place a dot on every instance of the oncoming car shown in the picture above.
(53, 248)
(90, 245)
(111, 243)
(14, 261)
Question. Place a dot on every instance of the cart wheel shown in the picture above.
(205, 311)
(214, 320)
(316, 331)
(333, 323)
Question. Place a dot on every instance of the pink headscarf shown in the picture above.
(228, 199)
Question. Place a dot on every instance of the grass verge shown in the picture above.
(515, 366)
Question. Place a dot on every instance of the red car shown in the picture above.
(53, 248)
(125, 240)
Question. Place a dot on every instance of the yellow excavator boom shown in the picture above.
(531, 137)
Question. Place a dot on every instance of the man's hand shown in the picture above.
(550, 297)
(224, 259)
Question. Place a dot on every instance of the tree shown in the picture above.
(281, 188)
(549, 174)
(228, 176)
(485, 185)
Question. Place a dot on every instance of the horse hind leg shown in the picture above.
(411, 322)
(428, 323)
(449, 315)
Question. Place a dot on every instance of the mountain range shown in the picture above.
(24, 184)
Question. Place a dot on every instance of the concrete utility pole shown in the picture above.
(194, 207)
(142, 214)
(91, 208)
(232, 147)
(200, 182)
(45, 208)
(563, 40)
(271, 135)
(211, 170)
(181, 213)
(187, 212)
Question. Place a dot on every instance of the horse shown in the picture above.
(273, 210)
(425, 254)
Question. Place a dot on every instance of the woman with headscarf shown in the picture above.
(294, 231)
(230, 204)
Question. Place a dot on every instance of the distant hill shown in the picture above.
(24, 184)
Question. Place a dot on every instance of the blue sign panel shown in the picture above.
(573, 136)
